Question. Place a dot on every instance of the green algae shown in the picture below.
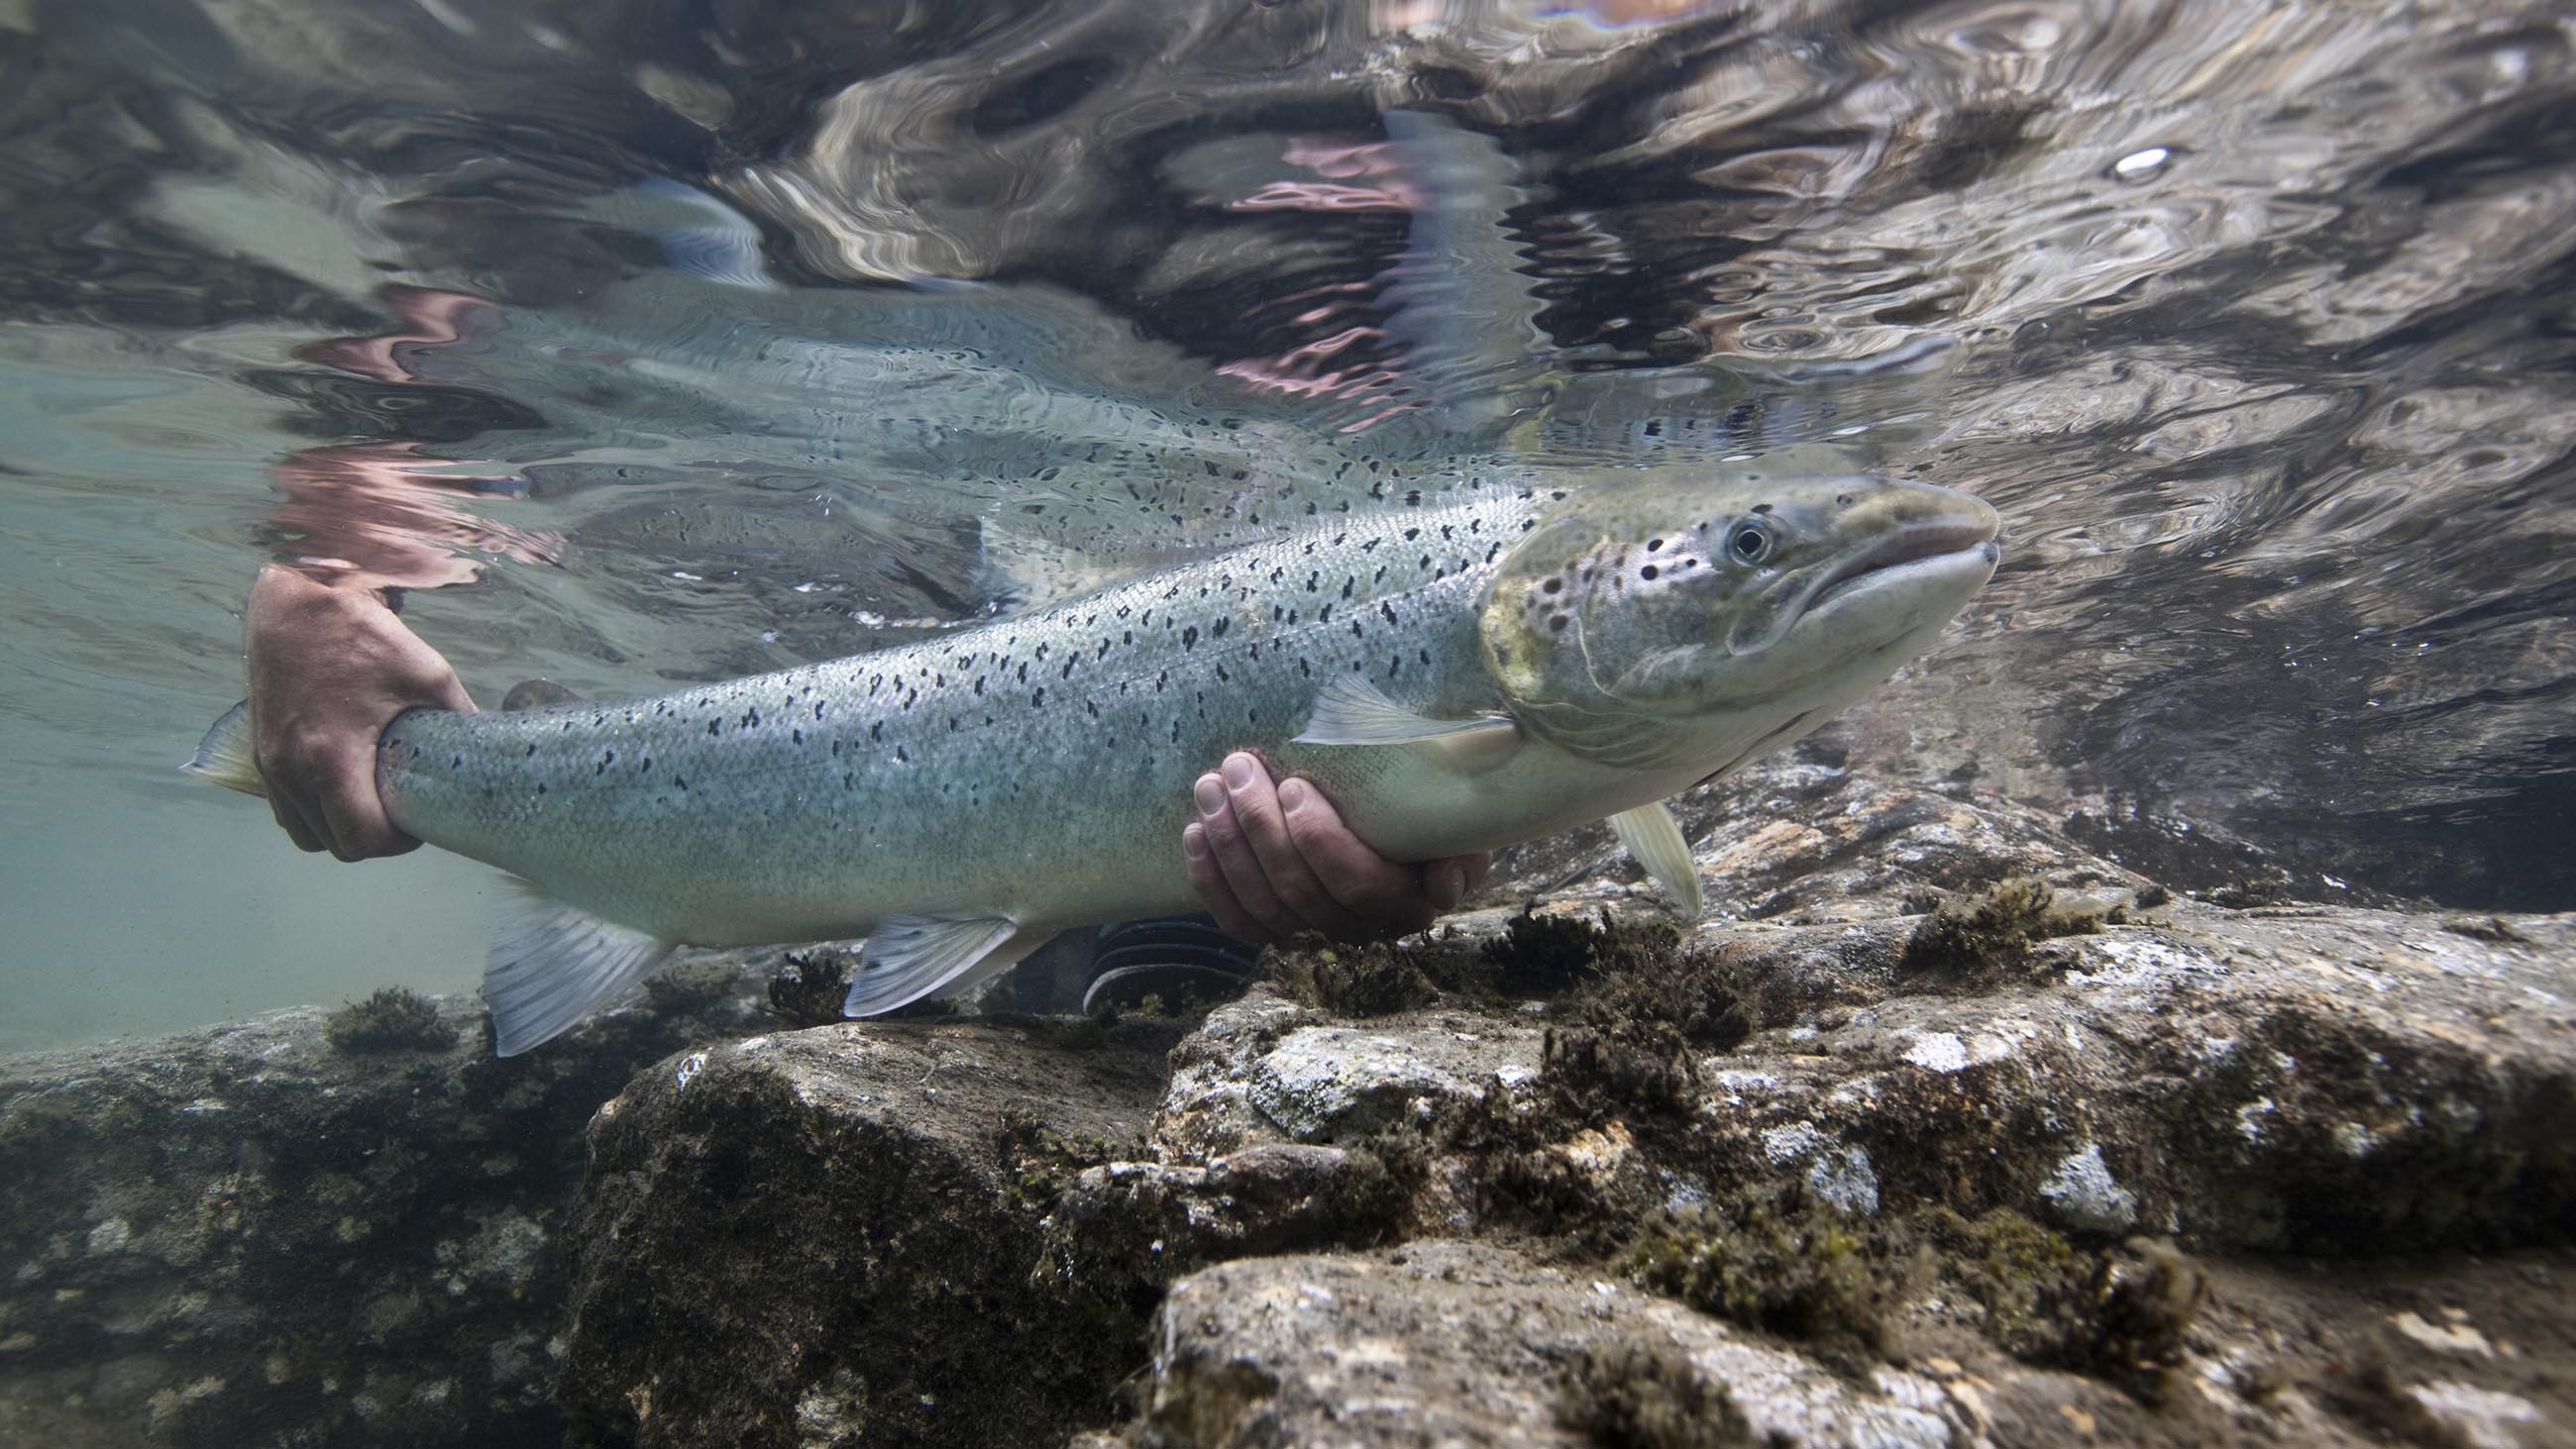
(810, 988)
(1535, 956)
(392, 1019)
(1790, 1266)
(1998, 929)
(1038, 1161)
(1642, 1396)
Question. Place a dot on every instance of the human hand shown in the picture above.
(329, 669)
(1271, 861)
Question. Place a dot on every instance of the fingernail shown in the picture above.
(1292, 796)
(1209, 794)
(1238, 771)
(1446, 884)
(1194, 842)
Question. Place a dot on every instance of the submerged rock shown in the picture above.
(1955, 1134)
(827, 1237)
(308, 1228)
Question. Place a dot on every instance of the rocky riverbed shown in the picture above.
(1943, 1130)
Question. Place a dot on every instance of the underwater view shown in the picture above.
(2083, 498)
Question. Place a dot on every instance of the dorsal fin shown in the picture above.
(533, 693)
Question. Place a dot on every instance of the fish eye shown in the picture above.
(1750, 541)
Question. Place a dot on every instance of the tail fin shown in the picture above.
(224, 757)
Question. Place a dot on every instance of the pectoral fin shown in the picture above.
(1655, 839)
(909, 957)
(552, 964)
(1351, 711)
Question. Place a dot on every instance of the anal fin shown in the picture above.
(908, 957)
(1652, 836)
(552, 964)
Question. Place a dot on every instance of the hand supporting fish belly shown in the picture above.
(1270, 860)
(1479, 667)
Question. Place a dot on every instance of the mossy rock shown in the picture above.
(391, 1019)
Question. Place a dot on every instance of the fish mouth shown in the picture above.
(1923, 543)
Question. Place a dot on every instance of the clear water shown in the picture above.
(2255, 320)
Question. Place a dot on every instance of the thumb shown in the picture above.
(1445, 882)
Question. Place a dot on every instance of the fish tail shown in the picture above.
(224, 755)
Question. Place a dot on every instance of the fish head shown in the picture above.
(1660, 617)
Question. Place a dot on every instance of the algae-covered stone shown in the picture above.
(830, 1237)
(1460, 1344)
(304, 1228)
(1546, 1176)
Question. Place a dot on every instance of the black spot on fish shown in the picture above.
(1649, 572)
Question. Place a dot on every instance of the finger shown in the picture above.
(1213, 892)
(355, 813)
(1242, 869)
(1451, 880)
(290, 818)
(359, 827)
(1255, 805)
(1386, 898)
(1444, 884)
